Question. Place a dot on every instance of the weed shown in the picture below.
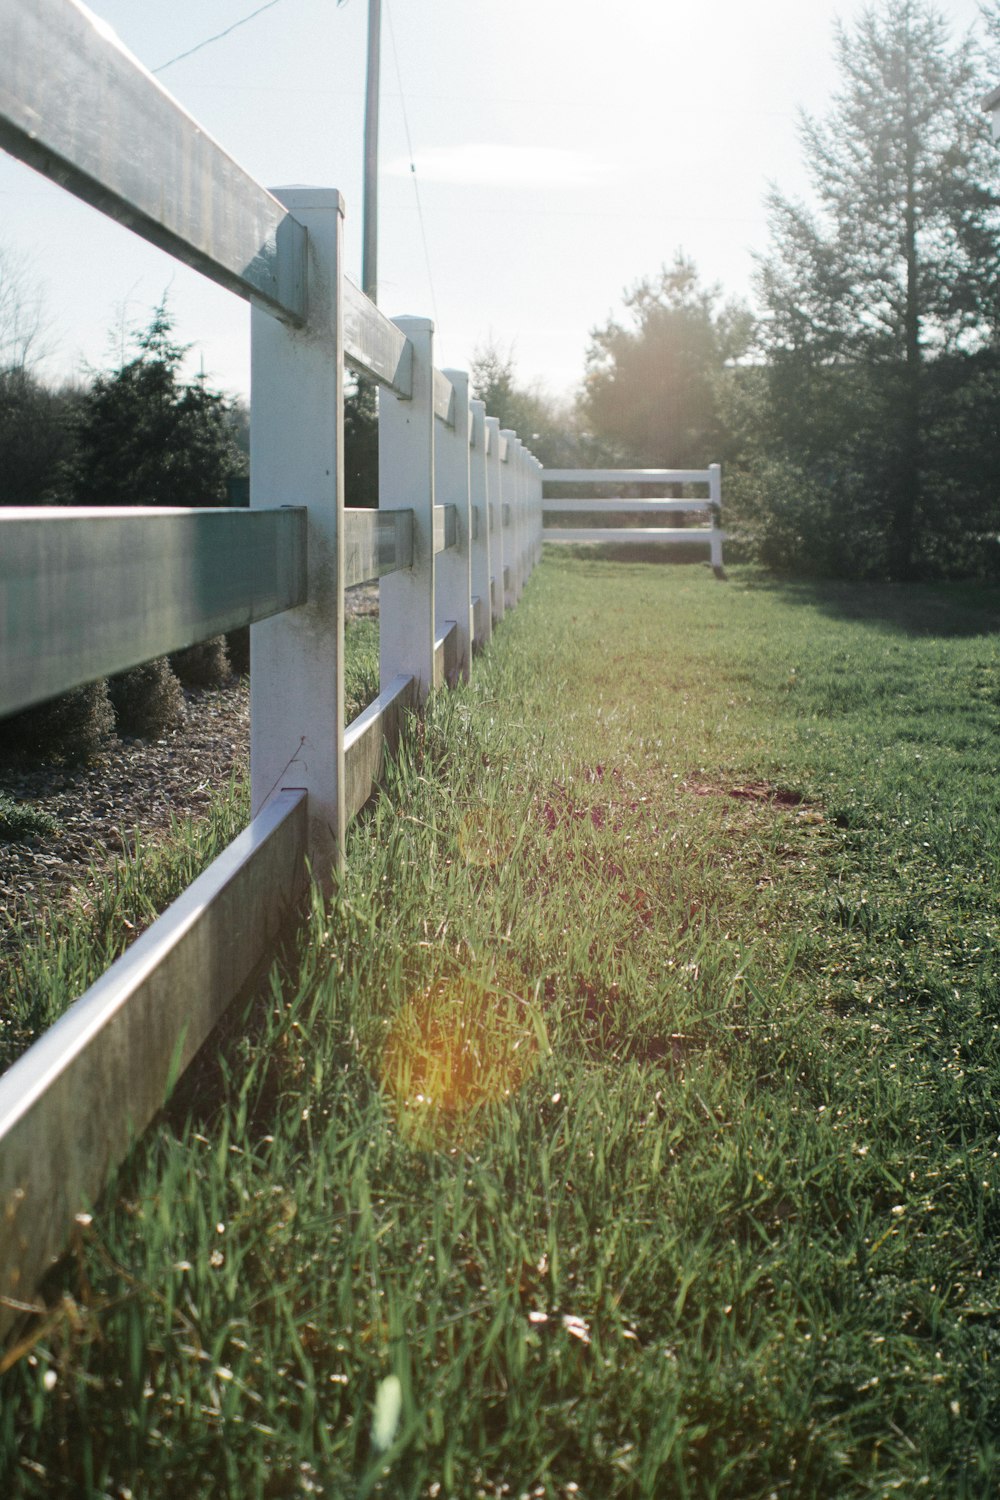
(20, 820)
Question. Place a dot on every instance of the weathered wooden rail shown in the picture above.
(88, 593)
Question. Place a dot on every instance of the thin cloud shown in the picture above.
(492, 165)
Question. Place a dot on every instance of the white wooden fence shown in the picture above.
(87, 593)
(708, 505)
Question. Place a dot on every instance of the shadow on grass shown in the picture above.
(924, 609)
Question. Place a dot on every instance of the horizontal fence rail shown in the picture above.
(87, 593)
(580, 503)
(79, 108)
(445, 527)
(376, 542)
(582, 506)
(630, 476)
(373, 345)
(72, 1105)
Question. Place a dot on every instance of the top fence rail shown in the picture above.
(79, 108)
(630, 476)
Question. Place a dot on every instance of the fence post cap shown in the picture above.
(300, 195)
(413, 324)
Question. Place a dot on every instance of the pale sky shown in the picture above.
(564, 149)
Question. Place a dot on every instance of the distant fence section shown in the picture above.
(85, 594)
(704, 508)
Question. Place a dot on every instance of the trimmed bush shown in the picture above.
(72, 727)
(238, 645)
(204, 665)
(147, 700)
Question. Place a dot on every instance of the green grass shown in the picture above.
(64, 949)
(646, 1133)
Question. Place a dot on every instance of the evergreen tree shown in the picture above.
(36, 422)
(890, 290)
(361, 444)
(651, 390)
(36, 440)
(147, 437)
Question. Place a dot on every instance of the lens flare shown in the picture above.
(461, 1045)
(485, 837)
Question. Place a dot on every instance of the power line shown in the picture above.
(220, 34)
(413, 165)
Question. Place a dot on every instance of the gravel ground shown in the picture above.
(133, 785)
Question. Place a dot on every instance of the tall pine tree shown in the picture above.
(883, 300)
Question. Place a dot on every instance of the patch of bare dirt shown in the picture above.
(749, 791)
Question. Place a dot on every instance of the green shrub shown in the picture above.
(203, 665)
(21, 820)
(72, 727)
(147, 700)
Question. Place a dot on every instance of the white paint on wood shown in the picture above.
(452, 487)
(71, 1106)
(406, 478)
(444, 399)
(580, 503)
(511, 511)
(494, 506)
(370, 737)
(627, 476)
(376, 542)
(78, 107)
(296, 661)
(536, 489)
(446, 655)
(85, 593)
(479, 567)
(373, 345)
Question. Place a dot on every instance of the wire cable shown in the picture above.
(220, 34)
(413, 165)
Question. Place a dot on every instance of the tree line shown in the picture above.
(855, 408)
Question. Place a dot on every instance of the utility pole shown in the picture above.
(369, 250)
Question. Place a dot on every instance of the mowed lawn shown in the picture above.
(629, 1123)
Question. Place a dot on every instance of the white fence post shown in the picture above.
(296, 458)
(536, 505)
(498, 600)
(508, 488)
(406, 482)
(454, 567)
(520, 453)
(479, 507)
(531, 508)
(715, 495)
